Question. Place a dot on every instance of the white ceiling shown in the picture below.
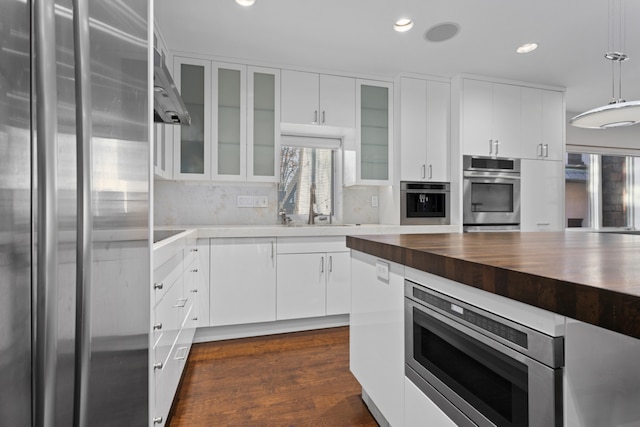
(356, 36)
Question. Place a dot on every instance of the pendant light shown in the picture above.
(618, 112)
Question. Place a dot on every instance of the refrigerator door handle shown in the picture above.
(84, 214)
(46, 213)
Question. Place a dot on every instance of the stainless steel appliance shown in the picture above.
(478, 367)
(491, 193)
(74, 208)
(424, 203)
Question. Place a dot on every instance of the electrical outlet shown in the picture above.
(374, 201)
(245, 201)
(260, 201)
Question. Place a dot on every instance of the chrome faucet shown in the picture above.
(284, 219)
(312, 201)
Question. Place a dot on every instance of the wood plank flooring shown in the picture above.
(296, 379)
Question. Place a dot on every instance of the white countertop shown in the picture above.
(213, 231)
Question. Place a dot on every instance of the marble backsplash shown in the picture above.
(196, 203)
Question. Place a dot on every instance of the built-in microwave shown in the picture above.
(491, 193)
(424, 203)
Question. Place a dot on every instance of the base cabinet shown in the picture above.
(243, 281)
(377, 333)
(313, 277)
(542, 195)
(420, 411)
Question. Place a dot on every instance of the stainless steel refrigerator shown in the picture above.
(74, 204)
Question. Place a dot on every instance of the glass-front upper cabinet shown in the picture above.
(263, 124)
(192, 148)
(373, 155)
(230, 121)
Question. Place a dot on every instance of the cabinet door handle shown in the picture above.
(546, 150)
(539, 150)
(157, 326)
(330, 263)
(422, 171)
(324, 113)
(430, 171)
(158, 285)
(497, 146)
(315, 116)
(272, 252)
(490, 146)
(321, 264)
(158, 365)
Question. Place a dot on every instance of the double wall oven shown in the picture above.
(491, 193)
(481, 369)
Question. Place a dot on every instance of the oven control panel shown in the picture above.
(475, 318)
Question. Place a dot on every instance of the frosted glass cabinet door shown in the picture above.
(263, 124)
(373, 124)
(229, 122)
(192, 149)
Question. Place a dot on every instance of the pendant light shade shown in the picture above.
(617, 114)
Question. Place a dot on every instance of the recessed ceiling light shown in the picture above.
(403, 24)
(527, 47)
(245, 2)
(442, 32)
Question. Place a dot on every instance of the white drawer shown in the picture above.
(165, 275)
(300, 245)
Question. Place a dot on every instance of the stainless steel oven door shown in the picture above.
(477, 380)
(491, 199)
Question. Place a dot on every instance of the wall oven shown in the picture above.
(479, 368)
(424, 203)
(491, 193)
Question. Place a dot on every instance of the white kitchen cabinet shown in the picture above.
(263, 125)
(301, 289)
(369, 162)
(491, 120)
(229, 139)
(176, 287)
(192, 144)
(320, 99)
(163, 133)
(419, 410)
(313, 277)
(242, 280)
(424, 130)
(541, 195)
(543, 121)
(377, 333)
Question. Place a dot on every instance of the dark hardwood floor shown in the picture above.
(296, 379)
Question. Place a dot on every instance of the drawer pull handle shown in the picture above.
(158, 285)
(158, 365)
(157, 420)
(194, 250)
(195, 270)
(180, 303)
(194, 291)
(157, 326)
(195, 319)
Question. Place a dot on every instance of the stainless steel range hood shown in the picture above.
(168, 104)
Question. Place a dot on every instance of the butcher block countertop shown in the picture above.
(591, 277)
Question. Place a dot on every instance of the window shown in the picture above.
(600, 190)
(305, 172)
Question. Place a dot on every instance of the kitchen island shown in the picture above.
(583, 287)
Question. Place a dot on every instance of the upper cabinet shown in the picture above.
(235, 122)
(369, 163)
(263, 125)
(511, 120)
(192, 147)
(542, 124)
(490, 119)
(319, 99)
(424, 129)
